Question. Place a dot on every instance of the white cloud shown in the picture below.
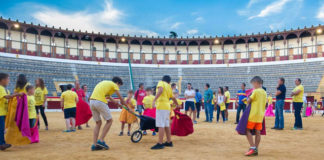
(200, 19)
(275, 7)
(320, 13)
(252, 2)
(192, 31)
(176, 25)
(109, 20)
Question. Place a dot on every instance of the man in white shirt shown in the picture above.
(190, 95)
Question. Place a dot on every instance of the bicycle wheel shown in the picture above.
(136, 136)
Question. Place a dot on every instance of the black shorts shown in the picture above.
(227, 105)
(69, 113)
(189, 104)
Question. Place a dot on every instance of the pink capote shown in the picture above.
(309, 111)
(269, 111)
(151, 112)
(34, 133)
(83, 113)
(22, 119)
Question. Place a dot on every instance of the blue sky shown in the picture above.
(153, 18)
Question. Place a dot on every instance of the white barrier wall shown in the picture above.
(31, 41)
(2, 37)
(46, 42)
(16, 39)
(73, 47)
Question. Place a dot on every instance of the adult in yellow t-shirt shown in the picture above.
(297, 98)
(40, 98)
(162, 121)
(69, 99)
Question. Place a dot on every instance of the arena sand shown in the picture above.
(209, 141)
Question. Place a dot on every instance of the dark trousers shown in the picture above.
(238, 113)
(198, 105)
(219, 111)
(298, 119)
(2, 129)
(41, 110)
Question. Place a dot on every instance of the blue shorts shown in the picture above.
(69, 113)
(190, 104)
(140, 108)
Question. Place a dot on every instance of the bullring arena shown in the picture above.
(63, 56)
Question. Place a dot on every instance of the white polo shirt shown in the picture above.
(190, 93)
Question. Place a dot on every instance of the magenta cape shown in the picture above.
(83, 113)
(22, 120)
(269, 111)
(181, 124)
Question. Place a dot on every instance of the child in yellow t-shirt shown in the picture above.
(214, 100)
(69, 99)
(147, 102)
(125, 116)
(31, 105)
(174, 106)
(258, 100)
(4, 96)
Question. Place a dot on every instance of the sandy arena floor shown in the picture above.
(210, 140)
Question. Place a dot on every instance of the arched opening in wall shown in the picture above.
(169, 43)
(228, 41)
(252, 40)
(98, 49)
(307, 44)
(204, 43)
(181, 43)
(240, 41)
(279, 47)
(266, 48)
(110, 40)
(254, 52)
(59, 45)
(3, 25)
(31, 31)
(135, 42)
(146, 42)
(19, 28)
(291, 36)
(31, 40)
(158, 43)
(86, 47)
(73, 46)
(193, 43)
(45, 43)
(16, 37)
(265, 39)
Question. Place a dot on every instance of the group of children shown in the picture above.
(8, 127)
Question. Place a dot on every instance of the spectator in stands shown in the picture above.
(139, 96)
(40, 98)
(209, 108)
(174, 88)
(163, 95)
(4, 97)
(280, 103)
(241, 97)
(227, 101)
(198, 98)
(81, 95)
(69, 99)
(190, 102)
(99, 107)
(297, 95)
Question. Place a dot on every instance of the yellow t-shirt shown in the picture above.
(40, 95)
(3, 101)
(104, 89)
(31, 107)
(173, 106)
(299, 96)
(162, 103)
(147, 101)
(132, 101)
(20, 90)
(214, 98)
(259, 100)
(228, 96)
(69, 99)
(270, 100)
